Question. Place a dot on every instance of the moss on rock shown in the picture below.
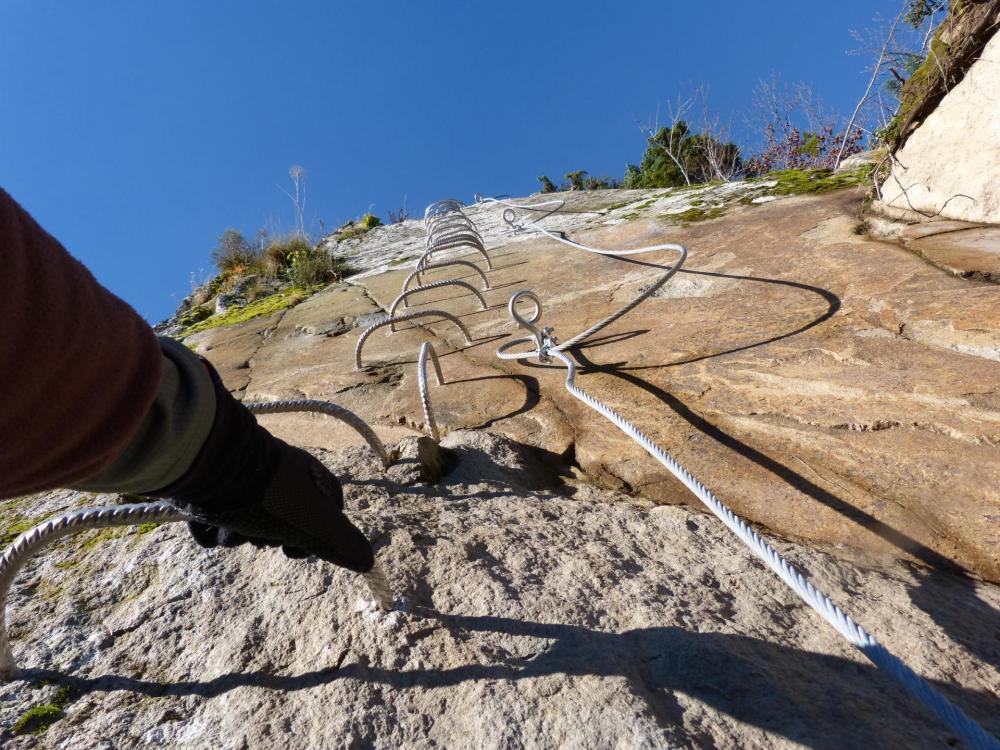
(801, 181)
(39, 718)
(288, 297)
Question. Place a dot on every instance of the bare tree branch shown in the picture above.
(876, 69)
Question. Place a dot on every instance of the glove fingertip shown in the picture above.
(204, 535)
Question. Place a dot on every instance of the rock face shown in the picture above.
(839, 392)
(828, 387)
(948, 165)
(537, 612)
(971, 251)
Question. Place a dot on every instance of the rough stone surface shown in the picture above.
(829, 387)
(836, 390)
(968, 250)
(948, 166)
(536, 612)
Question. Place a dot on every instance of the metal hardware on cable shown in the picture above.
(34, 540)
(546, 347)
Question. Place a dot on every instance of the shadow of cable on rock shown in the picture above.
(970, 632)
(821, 701)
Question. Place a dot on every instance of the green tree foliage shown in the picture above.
(675, 156)
(547, 185)
(575, 179)
(920, 10)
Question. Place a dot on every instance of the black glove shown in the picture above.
(247, 485)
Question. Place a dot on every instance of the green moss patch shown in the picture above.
(269, 305)
(39, 718)
(802, 181)
(14, 528)
(696, 214)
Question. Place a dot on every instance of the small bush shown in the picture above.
(354, 230)
(234, 254)
(547, 185)
(310, 267)
(369, 222)
(279, 251)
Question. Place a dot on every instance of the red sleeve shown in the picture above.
(78, 367)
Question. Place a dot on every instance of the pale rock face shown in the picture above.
(535, 612)
(836, 391)
(948, 166)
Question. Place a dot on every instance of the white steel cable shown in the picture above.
(913, 683)
(35, 539)
(547, 347)
(509, 218)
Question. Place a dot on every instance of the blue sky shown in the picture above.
(136, 132)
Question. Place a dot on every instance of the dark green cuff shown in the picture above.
(174, 430)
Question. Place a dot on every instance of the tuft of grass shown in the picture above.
(358, 229)
(37, 719)
(312, 267)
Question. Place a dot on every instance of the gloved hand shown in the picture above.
(247, 485)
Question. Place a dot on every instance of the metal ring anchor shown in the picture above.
(542, 338)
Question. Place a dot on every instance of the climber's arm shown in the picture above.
(78, 367)
(92, 400)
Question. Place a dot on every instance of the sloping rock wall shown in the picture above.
(534, 617)
(948, 166)
(841, 393)
(829, 387)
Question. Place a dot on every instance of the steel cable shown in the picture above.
(547, 347)
(34, 540)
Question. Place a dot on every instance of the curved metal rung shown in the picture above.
(427, 287)
(424, 259)
(325, 407)
(399, 318)
(425, 397)
(416, 272)
(32, 541)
